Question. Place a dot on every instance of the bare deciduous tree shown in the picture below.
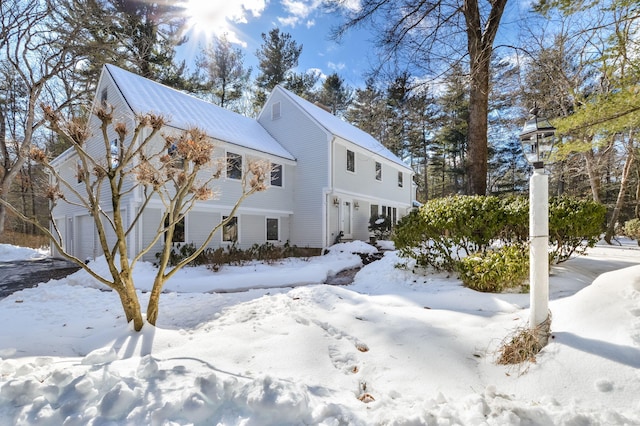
(36, 58)
(176, 169)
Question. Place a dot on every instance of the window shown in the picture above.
(176, 160)
(79, 172)
(234, 166)
(351, 161)
(276, 174)
(272, 230)
(275, 111)
(378, 171)
(230, 230)
(178, 231)
(374, 210)
(115, 153)
(103, 98)
(400, 179)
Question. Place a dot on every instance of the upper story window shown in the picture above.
(103, 97)
(276, 174)
(115, 153)
(400, 179)
(275, 111)
(351, 161)
(234, 166)
(176, 158)
(378, 171)
(79, 172)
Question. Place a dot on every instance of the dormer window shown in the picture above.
(275, 111)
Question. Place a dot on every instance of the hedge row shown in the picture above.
(445, 231)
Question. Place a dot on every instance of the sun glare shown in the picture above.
(206, 16)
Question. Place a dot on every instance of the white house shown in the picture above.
(329, 177)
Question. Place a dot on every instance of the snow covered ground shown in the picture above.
(393, 348)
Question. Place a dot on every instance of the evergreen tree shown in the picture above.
(422, 114)
(277, 57)
(138, 36)
(225, 77)
(368, 110)
(335, 94)
(398, 95)
(302, 84)
(452, 134)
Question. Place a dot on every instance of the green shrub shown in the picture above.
(445, 230)
(632, 229)
(495, 270)
(574, 226)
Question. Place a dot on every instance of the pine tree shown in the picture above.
(335, 94)
(368, 111)
(225, 77)
(452, 134)
(277, 57)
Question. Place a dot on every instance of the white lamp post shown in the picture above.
(537, 141)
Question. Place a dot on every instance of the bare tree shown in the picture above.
(176, 169)
(427, 33)
(36, 58)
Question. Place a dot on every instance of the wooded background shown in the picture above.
(446, 96)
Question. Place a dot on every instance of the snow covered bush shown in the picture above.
(380, 225)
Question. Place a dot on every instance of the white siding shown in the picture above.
(308, 143)
(252, 229)
(363, 182)
(149, 223)
(85, 238)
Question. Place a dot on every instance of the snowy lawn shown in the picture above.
(393, 348)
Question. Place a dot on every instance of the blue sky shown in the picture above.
(245, 20)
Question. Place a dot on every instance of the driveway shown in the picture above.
(20, 274)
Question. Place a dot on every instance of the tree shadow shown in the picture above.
(621, 354)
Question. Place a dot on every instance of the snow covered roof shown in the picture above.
(341, 128)
(184, 111)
